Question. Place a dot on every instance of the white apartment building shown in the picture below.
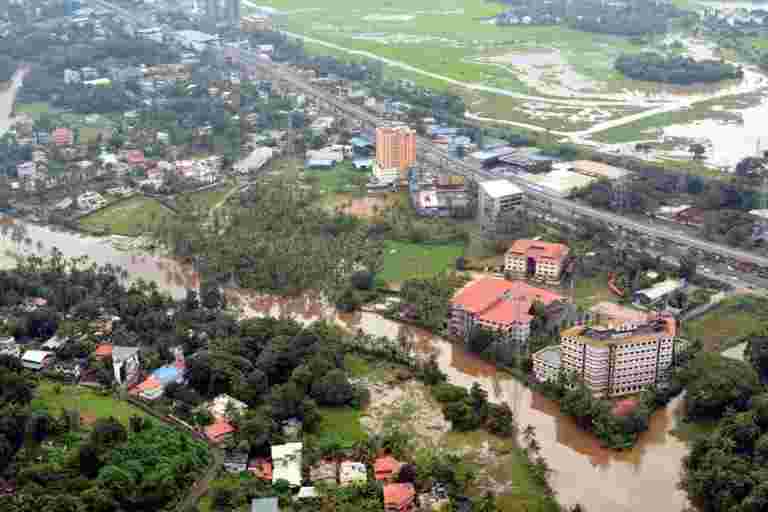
(496, 198)
(613, 359)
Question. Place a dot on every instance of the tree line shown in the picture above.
(677, 70)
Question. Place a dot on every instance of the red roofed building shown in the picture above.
(261, 469)
(385, 468)
(540, 260)
(103, 350)
(497, 305)
(218, 431)
(63, 137)
(399, 497)
(135, 157)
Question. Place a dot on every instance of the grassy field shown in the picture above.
(35, 110)
(207, 199)
(588, 292)
(404, 260)
(342, 178)
(92, 404)
(343, 423)
(724, 325)
(129, 217)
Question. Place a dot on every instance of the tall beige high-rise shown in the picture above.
(396, 148)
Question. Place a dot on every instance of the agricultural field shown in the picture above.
(130, 217)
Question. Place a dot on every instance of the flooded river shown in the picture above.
(643, 478)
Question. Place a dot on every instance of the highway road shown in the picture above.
(431, 152)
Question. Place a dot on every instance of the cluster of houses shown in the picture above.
(285, 463)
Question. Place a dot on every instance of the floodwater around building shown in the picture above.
(644, 477)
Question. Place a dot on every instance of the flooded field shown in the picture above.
(600, 479)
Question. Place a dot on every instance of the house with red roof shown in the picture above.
(135, 157)
(63, 137)
(540, 260)
(219, 431)
(399, 497)
(385, 468)
(498, 305)
(261, 468)
(103, 351)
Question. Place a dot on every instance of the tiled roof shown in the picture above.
(499, 300)
(103, 350)
(384, 467)
(218, 429)
(537, 249)
(397, 495)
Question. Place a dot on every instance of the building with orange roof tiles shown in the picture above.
(385, 468)
(399, 497)
(539, 260)
(498, 305)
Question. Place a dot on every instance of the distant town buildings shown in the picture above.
(539, 260)
(616, 357)
(395, 148)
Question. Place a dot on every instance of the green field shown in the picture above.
(341, 179)
(35, 110)
(405, 260)
(588, 292)
(342, 423)
(724, 325)
(92, 404)
(207, 199)
(130, 217)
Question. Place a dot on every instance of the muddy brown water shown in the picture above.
(643, 478)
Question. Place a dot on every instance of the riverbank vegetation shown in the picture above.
(677, 70)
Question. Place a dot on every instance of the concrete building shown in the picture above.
(37, 359)
(495, 199)
(286, 460)
(396, 148)
(598, 170)
(497, 305)
(540, 260)
(615, 358)
(658, 292)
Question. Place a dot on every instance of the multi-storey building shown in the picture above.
(613, 359)
(497, 198)
(396, 148)
(498, 305)
(540, 260)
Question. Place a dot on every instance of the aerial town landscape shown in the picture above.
(444, 255)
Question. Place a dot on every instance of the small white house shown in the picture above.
(352, 473)
(36, 359)
(224, 403)
(286, 463)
